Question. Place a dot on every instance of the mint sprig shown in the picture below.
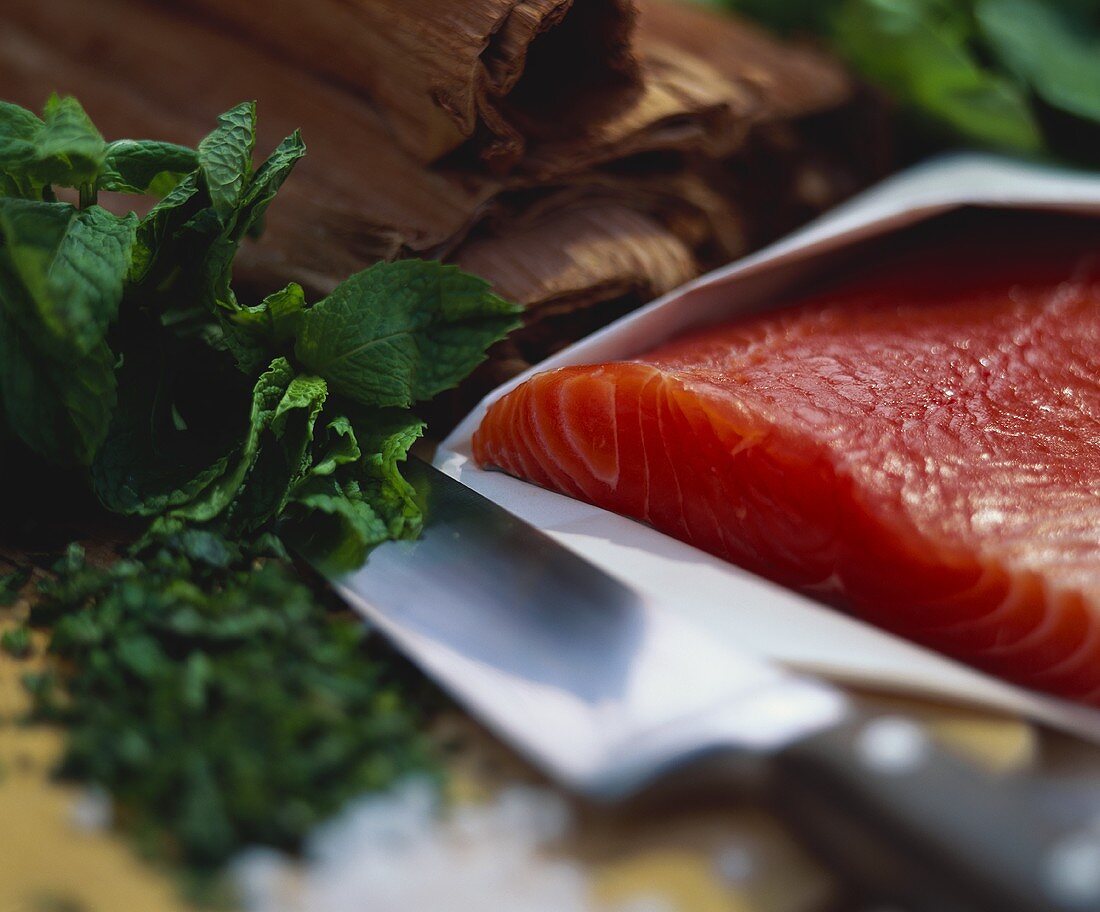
(127, 349)
(216, 698)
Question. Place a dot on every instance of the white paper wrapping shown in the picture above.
(728, 601)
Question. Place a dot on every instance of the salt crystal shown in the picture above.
(92, 811)
(399, 852)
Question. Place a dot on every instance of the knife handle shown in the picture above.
(912, 825)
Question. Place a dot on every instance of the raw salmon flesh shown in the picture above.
(920, 445)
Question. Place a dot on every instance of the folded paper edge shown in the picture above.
(901, 201)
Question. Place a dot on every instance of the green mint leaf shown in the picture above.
(146, 465)
(69, 149)
(389, 436)
(61, 282)
(304, 393)
(246, 219)
(332, 522)
(250, 351)
(277, 318)
(215, 277)
(60, 409)
(225, 158)
(202, 241)
(267, 395)
(265, 183)
(1057, 55)
(338, 446)
(63, 147)
(71, 265)
(18, 130)
(347, 505)
(146, 166)
(285, 455)
(256, 334)
(182, 413)
(400, 333)
(125, 481)
(920, 51)
(159, 225)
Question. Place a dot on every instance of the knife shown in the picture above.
(608, 693)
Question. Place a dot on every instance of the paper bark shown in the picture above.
(695, 138)
(449, 75)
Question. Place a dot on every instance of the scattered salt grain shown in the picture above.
(400, 852)
(92, 811)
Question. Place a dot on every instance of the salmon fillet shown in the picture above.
(920, 445)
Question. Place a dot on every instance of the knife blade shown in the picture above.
(607, 692)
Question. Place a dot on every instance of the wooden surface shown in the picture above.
(48, 861)
(700, 853)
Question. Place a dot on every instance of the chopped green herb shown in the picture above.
(12, 584)
(16, 642)
(217, 699)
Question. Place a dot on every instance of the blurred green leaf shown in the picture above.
(1048, 47)
(919, 50)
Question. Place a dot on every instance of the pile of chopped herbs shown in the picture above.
(202, 681)
(1021, 76)
(217, 698)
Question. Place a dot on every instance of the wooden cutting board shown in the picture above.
(702, 855)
